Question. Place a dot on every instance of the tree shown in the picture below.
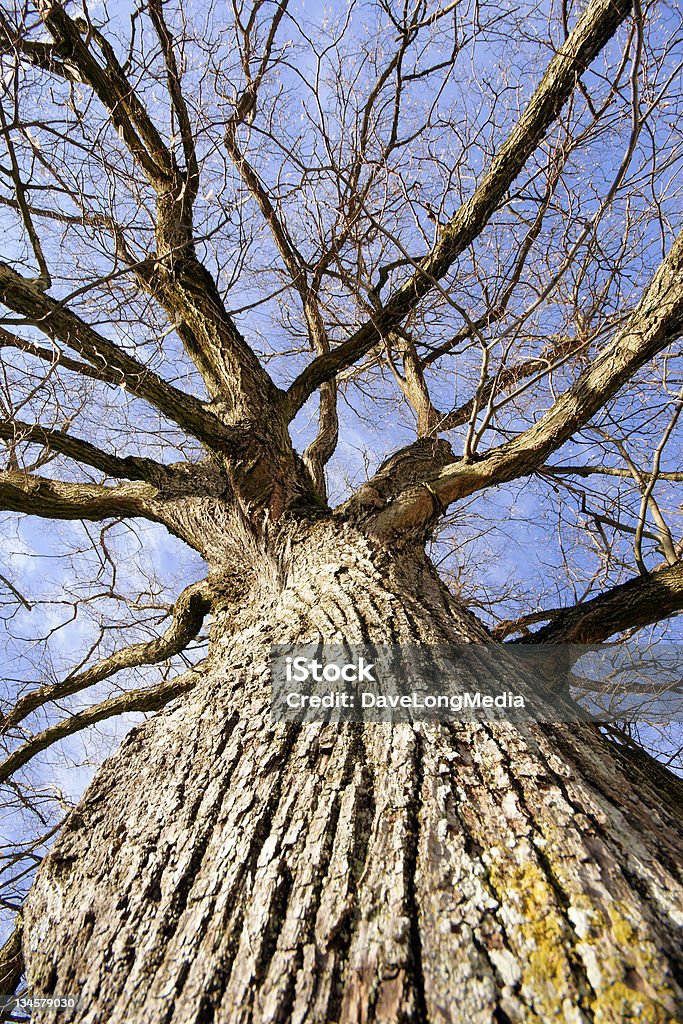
(228, 243)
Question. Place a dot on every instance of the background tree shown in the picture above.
(316, 295)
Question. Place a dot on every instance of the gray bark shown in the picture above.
(223, 868)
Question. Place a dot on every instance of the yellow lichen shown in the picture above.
(618, 1001)
(546, 947)
(621, 927)
(620, 1004)
(546, 981)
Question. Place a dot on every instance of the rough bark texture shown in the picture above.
(222, 868)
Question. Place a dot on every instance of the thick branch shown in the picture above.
(180, 282)
(110, 84)
(322, 448)
(596, 26)
(637, 603)
(12, 960)
(414, 386)
(41, 55)
(128, 468)
(271, 478)
(57, 321)
(55, 357)
(188, 293)
(55, 499)
(189, 612)
(656, 321)
(149, 698)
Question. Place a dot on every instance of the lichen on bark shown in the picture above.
(226, 868)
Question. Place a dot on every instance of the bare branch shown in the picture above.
(189, 612)
(110, 84)
(57, 358)
(597, 24)
(57, 321)
(507, 626)
(637, 603)
(55, 499)
(17, 593)
(414, 386)
(322, 448)
(44, 280)
(149, 698)
(175, 91)
(180, 282)
(41, 55)
(319, 452)
(128, 468)
(606, 471)
(432, 18)
(656, 322)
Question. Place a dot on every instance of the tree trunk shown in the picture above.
(223, 868)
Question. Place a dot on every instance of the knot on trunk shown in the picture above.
(411, 467)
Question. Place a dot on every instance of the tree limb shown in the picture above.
(177, 99)
(108, 81)
(149, 698)
(56, 499)
(129, 467)
(595, 27)
(656, 321)
(178, 280)
(648, 500)
(632, 605)
(57, 321)
(56, 357)
(41, 55)
(182, 284)
(189, 613)
(43, 280)
(320, 451)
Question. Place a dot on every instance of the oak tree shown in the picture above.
(243, 242)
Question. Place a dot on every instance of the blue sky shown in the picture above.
(521, 547)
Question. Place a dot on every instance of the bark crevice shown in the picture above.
(325, 874)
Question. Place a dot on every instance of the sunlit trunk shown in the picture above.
(225, 868)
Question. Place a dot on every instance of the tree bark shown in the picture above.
(223, 868)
